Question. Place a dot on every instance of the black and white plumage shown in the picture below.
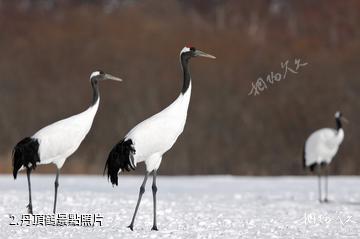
(56, 142)
(150, 139)
(321, 147)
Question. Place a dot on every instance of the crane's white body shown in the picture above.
(62, 138)
(322, 145)
(157, 134)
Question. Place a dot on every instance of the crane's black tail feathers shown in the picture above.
(25, 153)
(120, 157)
(303, 158)
(312, 167)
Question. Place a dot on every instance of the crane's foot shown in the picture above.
(29, 207)
(131, 226)
(326, 200)
(154, 228)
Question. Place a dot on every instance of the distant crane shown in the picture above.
(56, 142)
(150, 139)
(321, 147)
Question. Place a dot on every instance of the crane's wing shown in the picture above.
(62, 138)
(319, 146)
(155, 135)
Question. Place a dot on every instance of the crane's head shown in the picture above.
(99, 75)
(189, 52)
(339, 116)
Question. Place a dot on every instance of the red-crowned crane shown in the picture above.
(56, 142)
(320, 148)
(150, 139)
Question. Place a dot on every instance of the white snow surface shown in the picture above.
(188, 207)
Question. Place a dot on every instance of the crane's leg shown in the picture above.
(141, 192)
(28, 171)
(326, 183)
(319, 179)
(154, 190)
(56, 187)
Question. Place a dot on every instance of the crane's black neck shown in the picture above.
(186, 71)
(96, 93)
(338, 124)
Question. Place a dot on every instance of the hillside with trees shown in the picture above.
(49, 48)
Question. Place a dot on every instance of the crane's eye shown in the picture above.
(192, 48)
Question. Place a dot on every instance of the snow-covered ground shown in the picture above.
(188, 207)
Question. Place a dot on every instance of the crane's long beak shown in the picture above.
(345, 119)
(110, 77)
(203, 54)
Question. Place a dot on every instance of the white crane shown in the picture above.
(150, 139)
(321, 147)
(56, 142)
